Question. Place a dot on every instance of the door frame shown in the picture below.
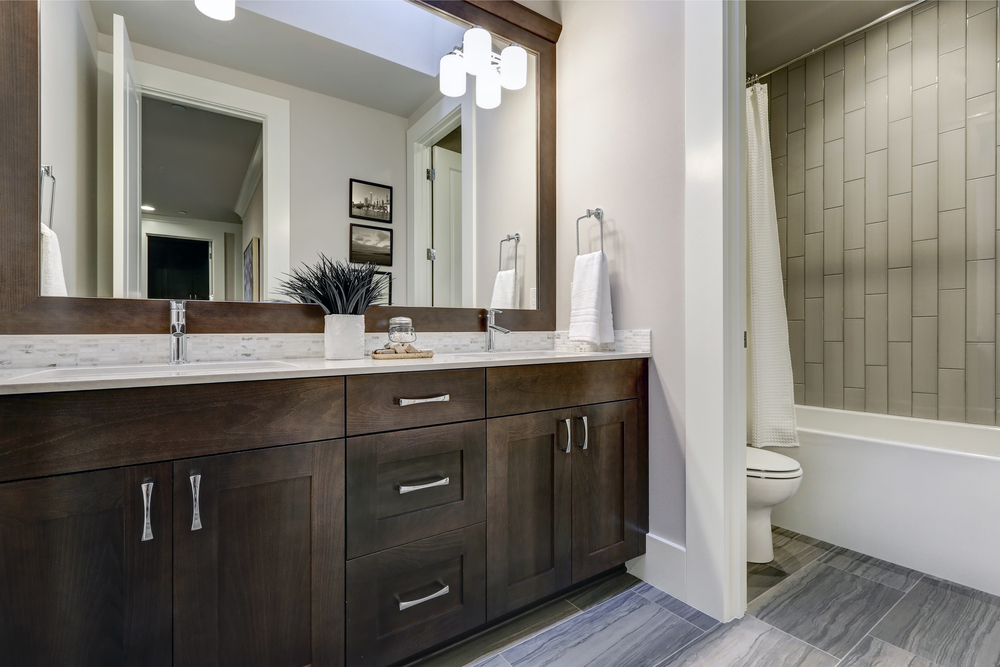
(441, 119)
(274, 114)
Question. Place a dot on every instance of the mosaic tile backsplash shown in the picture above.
(45, 351)
(884, 149)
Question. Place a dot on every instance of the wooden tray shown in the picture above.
(426, 354)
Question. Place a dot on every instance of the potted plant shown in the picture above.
(345, 291)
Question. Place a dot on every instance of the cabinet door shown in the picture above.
(80, 584)
(529, 526)
(605, 485)
(259, 576)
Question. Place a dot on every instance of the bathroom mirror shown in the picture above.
(186, 157)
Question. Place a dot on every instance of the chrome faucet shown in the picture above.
(178, 333)
(492, 329)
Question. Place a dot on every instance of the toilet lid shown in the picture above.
(761, 460)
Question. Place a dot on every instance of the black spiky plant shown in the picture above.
(341, 288)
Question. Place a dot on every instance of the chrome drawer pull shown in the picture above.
(414, 603)
(403, 488)
(569, 436)
(443, 398)
(196, 497)
(147, 525)
(586, 433)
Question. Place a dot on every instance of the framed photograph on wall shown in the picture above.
(371, 201)
(251, 270)
(371, 244)
(386, 298)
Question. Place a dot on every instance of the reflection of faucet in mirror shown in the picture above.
(492, 329)
(178, 332)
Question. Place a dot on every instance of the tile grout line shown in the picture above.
(904, 592)
(839, 660)
(889, 611)
(560, 621)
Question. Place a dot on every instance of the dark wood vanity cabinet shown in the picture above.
(336, 524)
(258, 557)
(85, 571)
(563, 500)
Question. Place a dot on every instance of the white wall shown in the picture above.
(506, 176)
(621, 147)
(331, 142)
(68, 79)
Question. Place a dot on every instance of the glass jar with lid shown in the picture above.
(401, 330)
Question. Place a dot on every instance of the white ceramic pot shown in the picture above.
(344, 336)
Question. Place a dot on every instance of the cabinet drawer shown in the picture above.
(404, 600)
(407, 485)
(513, 390)
(406, 400)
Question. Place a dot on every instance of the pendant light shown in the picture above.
(220, 10)
(507, 70)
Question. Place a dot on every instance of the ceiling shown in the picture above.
(781, 30)
(278, 50)
(194, 160)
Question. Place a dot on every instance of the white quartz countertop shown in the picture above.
(82, 378)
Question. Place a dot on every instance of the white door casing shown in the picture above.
(127, 188)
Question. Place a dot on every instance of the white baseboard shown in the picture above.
(663, 566)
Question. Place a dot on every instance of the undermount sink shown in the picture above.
(159, 370)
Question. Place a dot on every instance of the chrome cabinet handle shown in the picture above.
(414, 603)
(196, 498)
(443, 398)
(569, 436)
(147, 499)
(586, 433)
(405, 488)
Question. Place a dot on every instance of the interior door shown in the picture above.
(446, 227)
(127, 149)
(83, 582)
(529, 530)
(605, 487)
(259, 557)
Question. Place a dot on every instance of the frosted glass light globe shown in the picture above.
(513, 67)
(453, 76)
(477, 47)
(488, 89)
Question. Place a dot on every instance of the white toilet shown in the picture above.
(772, 479)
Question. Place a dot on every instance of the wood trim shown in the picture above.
(22, 311)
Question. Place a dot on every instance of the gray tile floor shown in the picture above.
(815, 605)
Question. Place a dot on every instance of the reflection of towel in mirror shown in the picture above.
(505, 290)
(590, 318)
(53, 280)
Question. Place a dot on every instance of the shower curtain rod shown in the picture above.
(756, 77)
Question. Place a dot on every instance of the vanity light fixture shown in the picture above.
(147, 207)
(508, 69)
(220, 10)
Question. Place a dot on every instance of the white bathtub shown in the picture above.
(920, 493)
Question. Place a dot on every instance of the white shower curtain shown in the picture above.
(772, 397)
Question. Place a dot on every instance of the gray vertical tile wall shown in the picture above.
(886, 152)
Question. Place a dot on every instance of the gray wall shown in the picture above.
(884, 153)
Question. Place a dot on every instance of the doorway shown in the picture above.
(179, 268)
(446, 221)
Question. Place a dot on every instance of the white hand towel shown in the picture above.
(505, 290)
(53, 280)
(590, 318)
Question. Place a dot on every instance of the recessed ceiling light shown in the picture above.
(147, 207)
(178, 107)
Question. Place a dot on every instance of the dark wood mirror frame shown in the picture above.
(23, 311)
